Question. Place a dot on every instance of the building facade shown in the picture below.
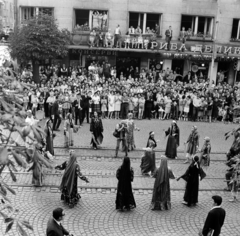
(200, 31)
(7, 17)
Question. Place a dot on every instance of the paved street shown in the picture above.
(96, 215)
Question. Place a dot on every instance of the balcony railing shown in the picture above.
(199, 37)
(81, 36)
(234, 40)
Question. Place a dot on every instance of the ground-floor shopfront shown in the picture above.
(181, 62)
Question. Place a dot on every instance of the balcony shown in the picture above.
(81, 36)
(233, 40)
(199, 37)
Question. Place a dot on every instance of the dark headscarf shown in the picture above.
(162, 175)
(152, 139)
(69, 174)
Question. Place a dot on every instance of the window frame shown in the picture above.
(89, 21)
(36, 11)
(145, 20)
(195, 31)
(238, 30)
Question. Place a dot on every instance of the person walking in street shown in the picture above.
(148, 162)
(205, 152)
(56, 114)
(54, 225)
(68, 131)
(161, 198)
(68, 186)
(130, 135)
(191, 176)
(215, 218)
(96, 128)
(121, 130)
(125, 175)
(49, 136)
(193, 144)
(173, 140)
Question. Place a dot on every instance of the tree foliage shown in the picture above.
(38, 39)
(12, 154)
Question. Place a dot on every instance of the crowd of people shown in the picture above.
(147, 94)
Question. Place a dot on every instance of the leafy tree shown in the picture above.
(38, 39)
(12, 154)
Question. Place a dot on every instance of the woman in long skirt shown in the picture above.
(49, 136)
(96, 128)
(130, 135)
(205, 152)
(68, 131)
(148, 162)
(125, 198)
(69, 182)
(161, 198)
(173, 140)
(191, 176)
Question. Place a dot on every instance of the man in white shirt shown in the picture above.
(131, 30)
(117, 36)
(196, 104)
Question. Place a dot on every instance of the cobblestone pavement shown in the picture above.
(95, 214)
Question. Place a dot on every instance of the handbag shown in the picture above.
(75, 129)
(116, 134)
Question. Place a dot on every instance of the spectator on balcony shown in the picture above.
(117, 37)
(169, 34)
(138, 30)
(182, 37)
(104, 20)
(108, 39)
(95, 19)
(100, 19)
(131, 30)
(157, 30)
(148, 31)
(99, 39)
(189, 32)
(92, 38)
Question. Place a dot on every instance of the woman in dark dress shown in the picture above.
(69, 182)
(49, 136)
(191, 176)
(125, 174)
(148, 162)
(161, 198)
(96, 128)
(173, 140)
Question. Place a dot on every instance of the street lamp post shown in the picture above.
(214, 52)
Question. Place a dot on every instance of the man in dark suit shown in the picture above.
(57, 119)
(54, 226)
(78, 104)
(168, 35)
(187, 77)
(215, 218)
(85, 112)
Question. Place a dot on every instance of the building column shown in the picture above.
(144, 22)
(186, 67)
(90, 19)
(167, 64)
(238, 29)
(205, 25)
(214, 73)
(196, 26)
(211, 27)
